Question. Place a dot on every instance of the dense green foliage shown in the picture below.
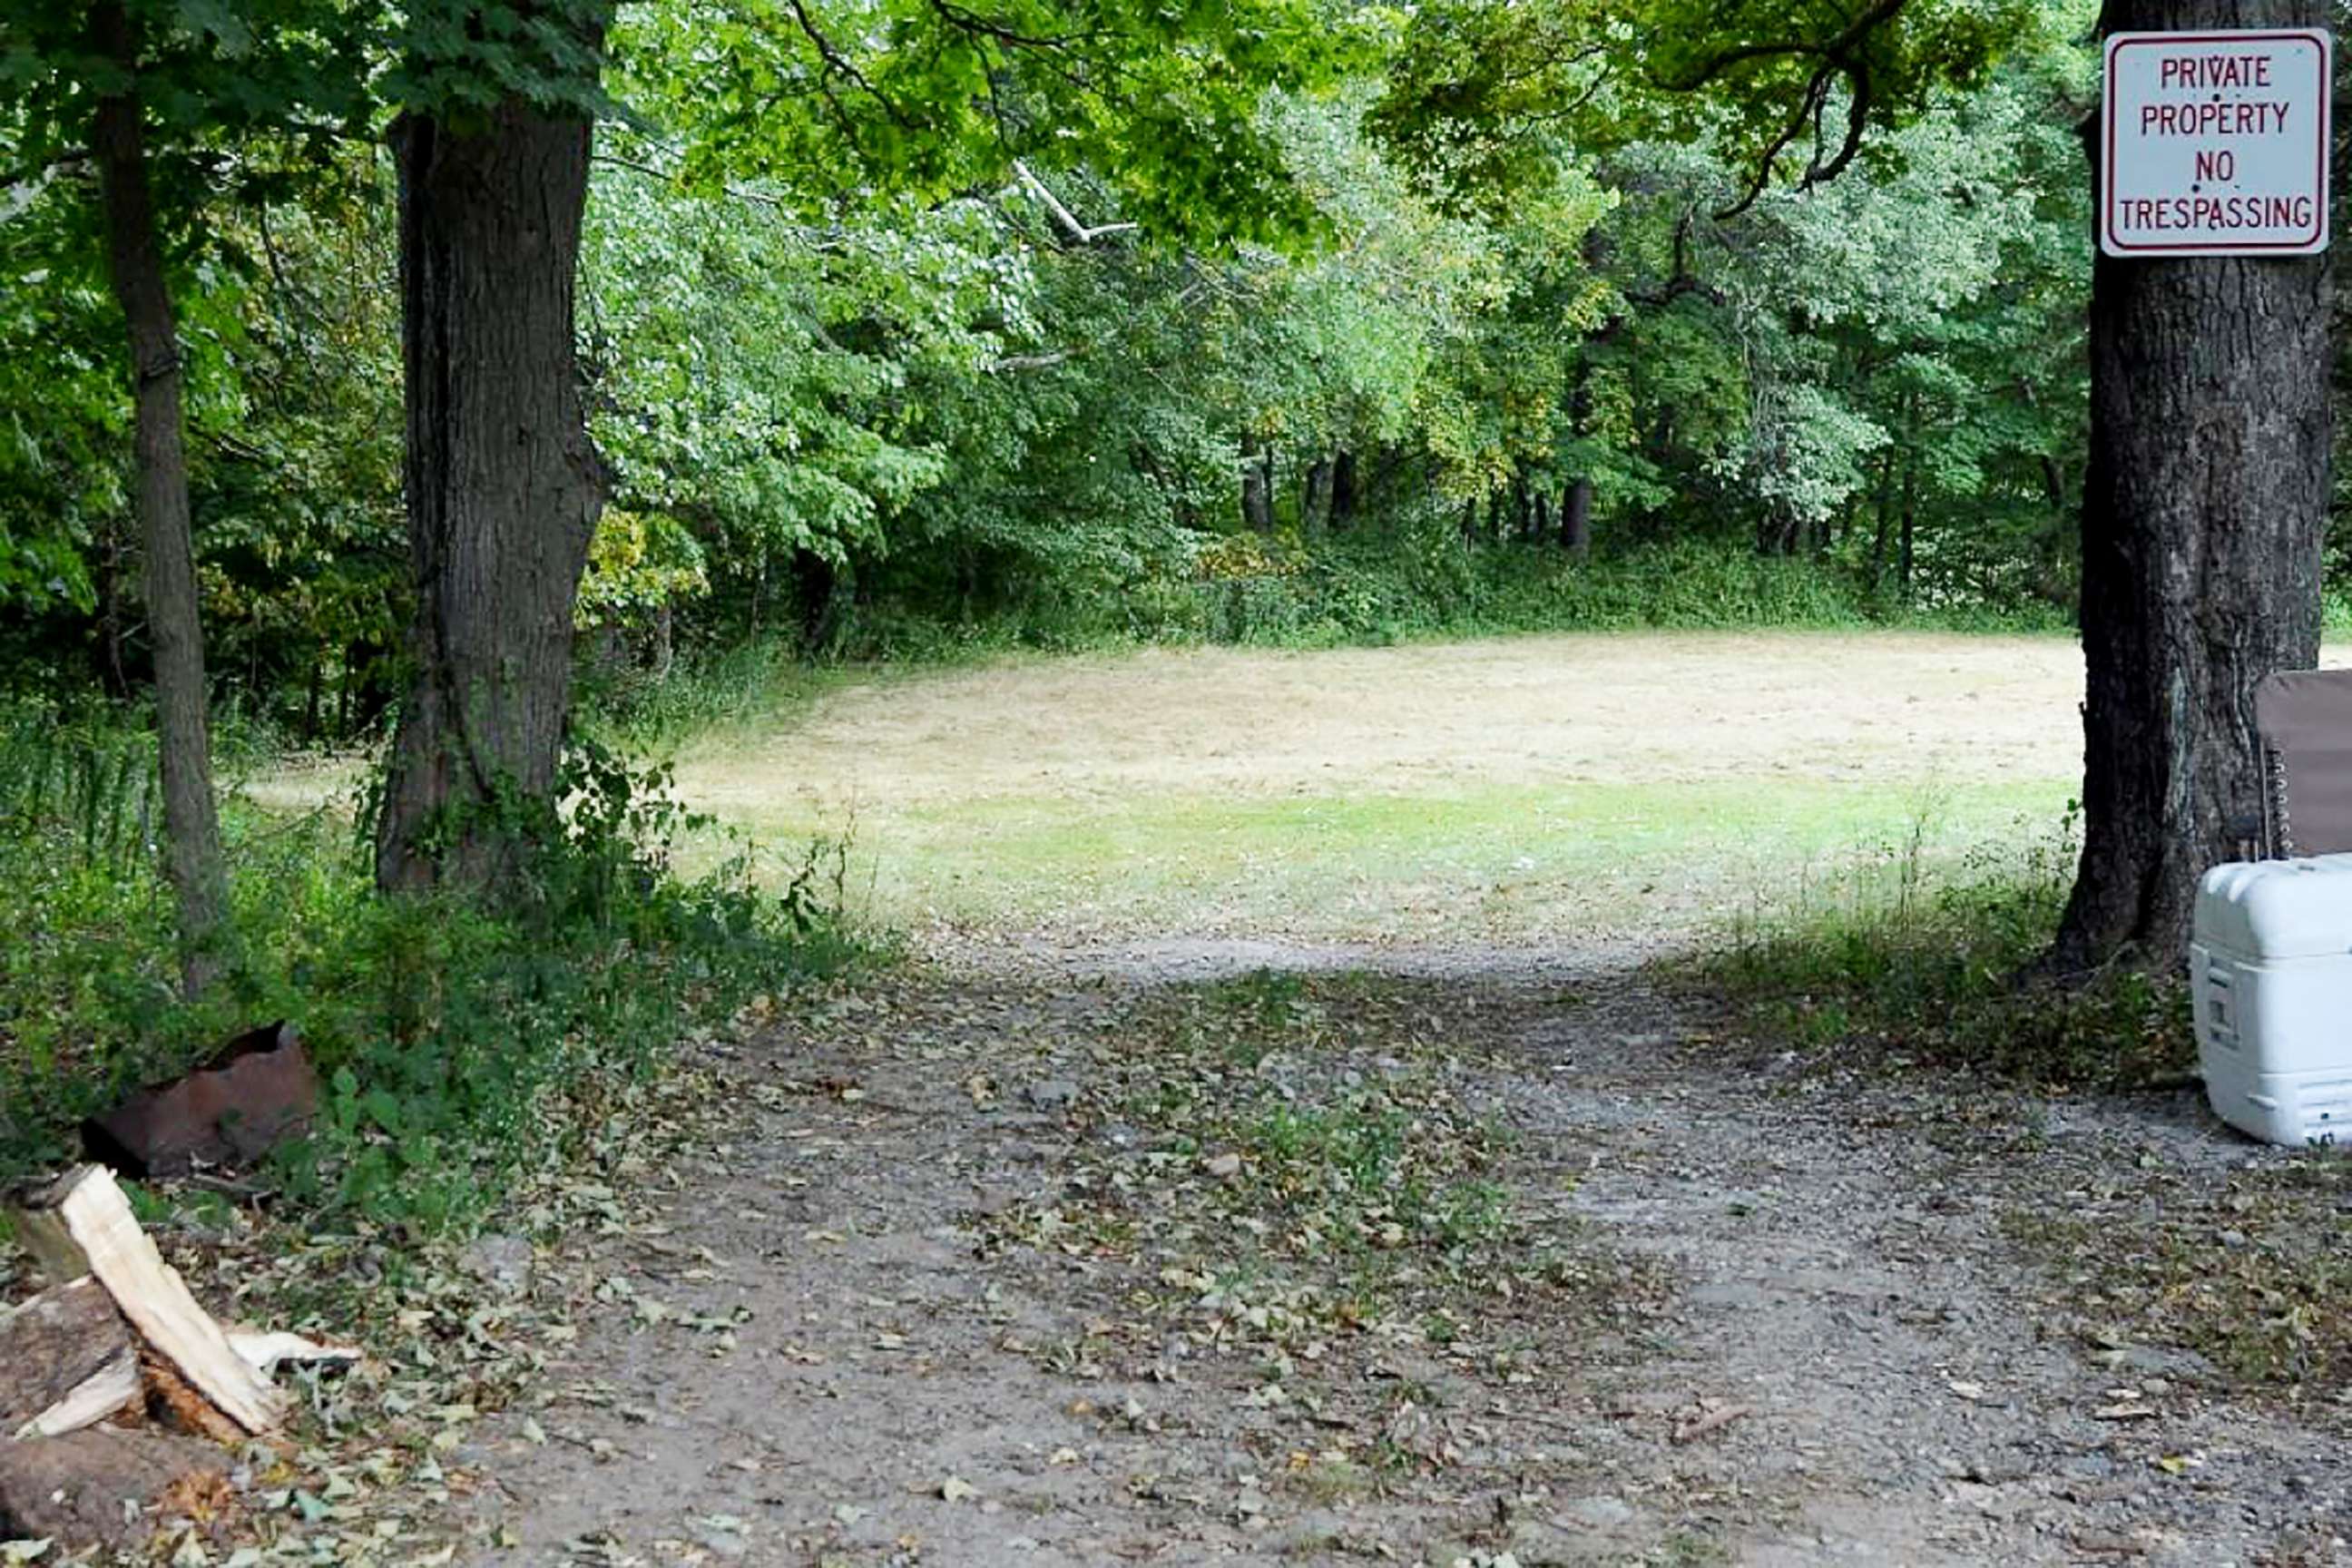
(1332, 397)
(910, 326)
(447, 1035)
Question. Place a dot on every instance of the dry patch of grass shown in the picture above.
(1524, 791)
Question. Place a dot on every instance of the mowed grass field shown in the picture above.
(1533, 791)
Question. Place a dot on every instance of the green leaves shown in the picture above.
(841, 100)
(459, 59)
(1482, 95)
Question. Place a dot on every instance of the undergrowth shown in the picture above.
(453, 1039)
(1919, 965)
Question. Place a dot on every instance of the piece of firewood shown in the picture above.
(112, 1389)
(86, 1209)
(103, 1486)
(52, 1345)
(178, 1402)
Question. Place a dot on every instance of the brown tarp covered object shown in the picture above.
(256, 1090)
(2306, 720)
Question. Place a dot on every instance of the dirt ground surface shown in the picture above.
(994, 1287)
(1127, 1223)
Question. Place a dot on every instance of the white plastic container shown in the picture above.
(2270, 969)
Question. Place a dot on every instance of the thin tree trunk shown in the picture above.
(2204, 506)
(1907, 549)
(1257, 486)
(1576, 518)
(1315, 496)
(113, 678)
(665, 649)
(504, 486)
(1343, 491)
(1885, 525)
(817, 588)
(192, 862)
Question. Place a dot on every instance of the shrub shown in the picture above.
(452, 1036)
(1914, 967)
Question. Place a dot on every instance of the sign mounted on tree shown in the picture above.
(2215, 144)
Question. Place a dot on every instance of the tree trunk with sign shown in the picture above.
(2204, 508)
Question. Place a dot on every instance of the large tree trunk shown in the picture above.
(504, 486)
(192, 843)
(2204, 506)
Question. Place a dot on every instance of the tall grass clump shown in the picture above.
(458, 1041)
(1917, 963)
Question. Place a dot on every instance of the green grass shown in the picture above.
(1909, 964)
(457, 1042)
(1520, 863)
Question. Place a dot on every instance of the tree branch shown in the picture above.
(1838, 58)
(1068, 219)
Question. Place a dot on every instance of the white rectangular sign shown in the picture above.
(2215, 144)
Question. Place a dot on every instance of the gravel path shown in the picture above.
(950, 1294)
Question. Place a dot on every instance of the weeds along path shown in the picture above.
(1496, 1263)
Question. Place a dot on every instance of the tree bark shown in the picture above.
(664, 653)
(192, 862)
(1908, 548)
(1315, 496)
(1343, 491)
(819, 598)
(2204, 506)
(1257, 486)
(504, 486)
(1576, 518)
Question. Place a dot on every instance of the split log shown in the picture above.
(84, 1217)
(53, 1346)
(114, 1390)
(103, 1484)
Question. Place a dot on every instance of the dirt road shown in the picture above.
(1278, 1154)
(1509, 1264)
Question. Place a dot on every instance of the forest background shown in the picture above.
(1591, 395)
